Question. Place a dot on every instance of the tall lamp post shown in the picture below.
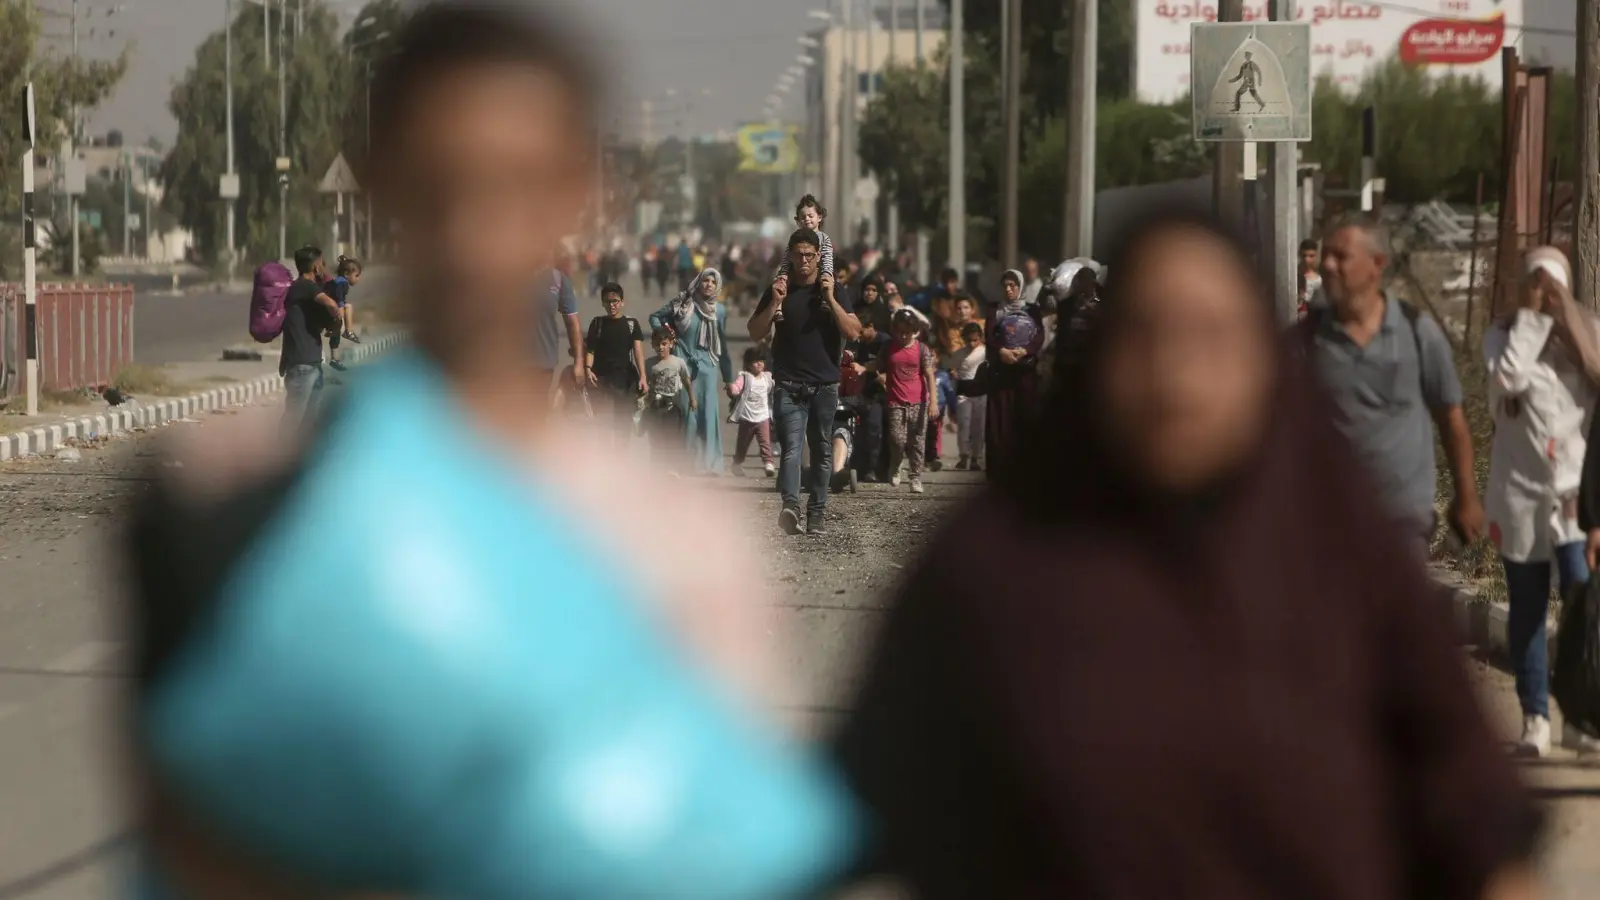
(229, 189)
(367, 115)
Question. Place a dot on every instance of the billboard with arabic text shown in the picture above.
(1347, 37)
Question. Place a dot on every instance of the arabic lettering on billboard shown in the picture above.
(1347, 38)
(770, 149)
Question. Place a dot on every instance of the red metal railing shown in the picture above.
(85, 335)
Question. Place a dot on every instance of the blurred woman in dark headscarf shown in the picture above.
(1197, 660)
(1013, 344)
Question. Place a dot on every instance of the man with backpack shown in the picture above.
(308, 312)
(1390, 372)
(615, 350)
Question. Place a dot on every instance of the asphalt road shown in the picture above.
(187, 328)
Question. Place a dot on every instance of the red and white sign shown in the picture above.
(1453, 42)
(1347, 36)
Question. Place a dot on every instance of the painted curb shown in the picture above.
(1483, 623)
(49, 438)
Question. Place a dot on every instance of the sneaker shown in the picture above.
(737, 469)
(789, 520)
(772, 471)
(894, 480)
(1535, 737)
(869, 478)
(916, 485)
(351, 337)
(814, 525)
(976, 466)
(336, 365)
(935, 465)
(961, 464)
(1578, 742)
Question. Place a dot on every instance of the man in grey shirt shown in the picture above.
(557, 305)
(1392, 377)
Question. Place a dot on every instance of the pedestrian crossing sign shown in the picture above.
(1251, 81)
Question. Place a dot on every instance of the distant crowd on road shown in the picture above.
(1179, 643)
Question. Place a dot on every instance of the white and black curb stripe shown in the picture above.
(49, 438)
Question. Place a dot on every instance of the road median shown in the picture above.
(139, 415)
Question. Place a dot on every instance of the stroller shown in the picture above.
(844, 442)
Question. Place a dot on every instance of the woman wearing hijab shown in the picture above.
(1544, 364)
(1013, 354)
(701, 325)
(1159, 682)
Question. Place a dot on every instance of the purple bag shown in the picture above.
(1018, 331)
(272, 284)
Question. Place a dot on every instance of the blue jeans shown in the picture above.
(302, 387)
(1528, 590)
(805, 412)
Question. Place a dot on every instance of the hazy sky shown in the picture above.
(737, 48)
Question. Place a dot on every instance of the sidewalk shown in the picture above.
(178, 391)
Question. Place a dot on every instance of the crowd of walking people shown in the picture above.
(1179, 643)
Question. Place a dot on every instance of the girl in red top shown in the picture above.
(907, 372)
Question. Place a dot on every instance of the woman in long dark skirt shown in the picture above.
(1015, 338)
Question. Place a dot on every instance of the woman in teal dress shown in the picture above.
(701, 325)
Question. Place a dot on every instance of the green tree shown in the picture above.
(1044, 71)
(317, 112)
(59, 83)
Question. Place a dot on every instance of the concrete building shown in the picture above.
(829, 80)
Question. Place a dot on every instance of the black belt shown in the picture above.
(802, 390)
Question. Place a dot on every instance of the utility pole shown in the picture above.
(30, 254)
(1011, 75)
(1077, 223)
(144, 169)
(1227, 158)
(72, 149)
(1285, 166)
(958, 147)
(1586, 230)
(283, 144)
(233, 246)
(923, 238)
(847, 126)
(893, 244)
(372, 223)
(870, 13)
(1005, 57)
(922, 22)
(127, 204)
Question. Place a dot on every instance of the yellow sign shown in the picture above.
(770, 149)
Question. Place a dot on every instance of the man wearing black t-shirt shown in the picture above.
(308, 312)
(615, 351)
(809, 326)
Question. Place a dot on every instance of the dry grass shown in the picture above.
(1477, 562)
(136, 380)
